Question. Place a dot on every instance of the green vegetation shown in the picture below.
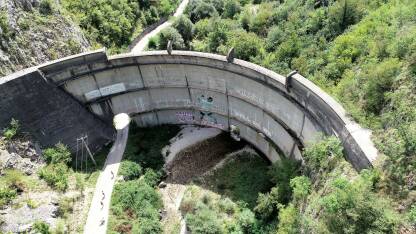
(11, 130)
(6, 195)
(360, 51)
(241, 178)
(207, 212)
(135, 202)
(114, 24)
(57, 171)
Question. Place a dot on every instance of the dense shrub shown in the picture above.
(246, 45)
(205, 221)
(6, 195)
(41, 227)
(301, 186)
(268, 204)
(185, 27)
(200, 10)
(46, 7)
(171, 34)
(324, 154)
(57, 154)
(354, 208)
(231, 8)
(14, 180)
(130, 170)
(281, 173)
(55, 175)
(288, 220)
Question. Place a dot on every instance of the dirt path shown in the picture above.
(143, 43)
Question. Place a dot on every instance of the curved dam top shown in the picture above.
(79, 95)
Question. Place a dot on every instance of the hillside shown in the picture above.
(34, 32)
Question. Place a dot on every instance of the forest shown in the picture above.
(363, 52)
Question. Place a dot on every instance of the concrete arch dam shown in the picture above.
(276, 114)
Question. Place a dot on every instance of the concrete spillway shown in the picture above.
(277, 115)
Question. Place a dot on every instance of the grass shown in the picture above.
(241, 178)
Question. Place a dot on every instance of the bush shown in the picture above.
(324, 154)
(353, 208)
(185, 27)
(58, 154)
(246, 45)
(65, 207)
(204, 221)
(41, 227)
(281, 173)
(170, 34)
(14, 180)
(288, 220)
(412, 215)
(268, 204)
(232, 8)
(202, 10)
(46, 7)
(55, 175)
(12, 130)
(7, 195)
(151, 177)
(301, 186)
(130, 170)
(147, 226)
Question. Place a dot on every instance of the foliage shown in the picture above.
(14, 180)
(268, 204)
(41, 227)
(7, 195)
(57, 154)
(246, 45)
(170, 34)
(11, 130)
(55, 175)
(199, 10)
(65, 207)
(204, 221)
(151, 177)
(288, 220)
(46, 7)
(412, 215)
(354, 208)
(301, 186)
(281, 173)
(130, 170)
(324, 154)
(185, 27)
(113, 23)
(241, 178)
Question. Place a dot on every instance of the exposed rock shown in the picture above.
(33, 38)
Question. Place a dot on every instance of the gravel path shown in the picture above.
(143, 43)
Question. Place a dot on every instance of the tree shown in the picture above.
(185, 27)
(202, 10)
(268, 204)
(231, 8)
(246, 45)
(288, 220)
(301, 186)
(130, 170)
(170, 34)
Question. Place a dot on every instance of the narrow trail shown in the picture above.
(97, 220)
(145, 41)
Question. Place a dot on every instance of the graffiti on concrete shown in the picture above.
(185, 117)
(206, 104)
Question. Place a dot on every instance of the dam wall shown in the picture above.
(47, 112)
(278, 115)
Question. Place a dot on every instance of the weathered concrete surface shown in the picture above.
(48, 112)
(204, 89)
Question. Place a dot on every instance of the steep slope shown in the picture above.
(33, 32)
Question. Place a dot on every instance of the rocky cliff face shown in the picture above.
(33, 32)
